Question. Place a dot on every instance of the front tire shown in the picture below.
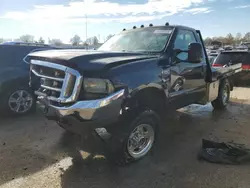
(18, 101)
(223, 96)
(134, 140)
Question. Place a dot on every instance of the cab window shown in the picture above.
(182, 41)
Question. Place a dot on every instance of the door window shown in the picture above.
(182, 41)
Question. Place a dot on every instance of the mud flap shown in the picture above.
(212, 91)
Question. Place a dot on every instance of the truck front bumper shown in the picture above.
(85, 115)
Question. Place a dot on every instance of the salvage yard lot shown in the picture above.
(35, 152)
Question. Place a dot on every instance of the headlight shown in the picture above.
(97, 85)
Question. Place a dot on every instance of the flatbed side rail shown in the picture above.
(228, 71)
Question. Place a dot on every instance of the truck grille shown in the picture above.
(57, 82)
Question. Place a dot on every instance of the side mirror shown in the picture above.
(195, 53)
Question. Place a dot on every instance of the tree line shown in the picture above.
(75, 40)
(229, 39)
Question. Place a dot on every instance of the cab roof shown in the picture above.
(161, 26)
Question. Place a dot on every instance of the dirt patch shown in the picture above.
(37, 153)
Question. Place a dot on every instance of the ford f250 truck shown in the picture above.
(122, 90)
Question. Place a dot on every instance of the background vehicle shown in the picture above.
(247, 44)
(211, 58)
(241, 48)
(228, 48)
(121, 90)
(228, 58)
(15, 95)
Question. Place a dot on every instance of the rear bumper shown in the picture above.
(84, 115)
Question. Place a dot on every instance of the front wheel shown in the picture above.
(223, 96)
(18, 101)
(134, 140)
(140, 140)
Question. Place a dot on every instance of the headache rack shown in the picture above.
(57, 82)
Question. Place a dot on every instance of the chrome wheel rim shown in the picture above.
(20, 101)
(141, 141)
(225, 95)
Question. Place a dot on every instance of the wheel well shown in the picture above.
(152, 98)
(15, 83)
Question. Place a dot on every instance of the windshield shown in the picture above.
(233, 58)
(139, 40)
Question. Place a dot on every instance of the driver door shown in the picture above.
(187, 79)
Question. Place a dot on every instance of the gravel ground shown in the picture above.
(37, 153)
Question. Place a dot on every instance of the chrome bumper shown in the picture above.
(100, 109)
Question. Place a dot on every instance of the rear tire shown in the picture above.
(134, 140)
(223, 96)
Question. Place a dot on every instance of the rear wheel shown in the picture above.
(223, 96)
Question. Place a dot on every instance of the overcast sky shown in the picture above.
(65, 18)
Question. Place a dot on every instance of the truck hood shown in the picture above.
(84, 60)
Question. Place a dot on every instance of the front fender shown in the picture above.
(144, 82)
(13, 77)
(144, 88)
(137, 75)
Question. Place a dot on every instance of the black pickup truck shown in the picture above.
(122, 90)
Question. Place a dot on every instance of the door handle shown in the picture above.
(188, 70)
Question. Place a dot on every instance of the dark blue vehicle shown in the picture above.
(15, 95)
(122, 90)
